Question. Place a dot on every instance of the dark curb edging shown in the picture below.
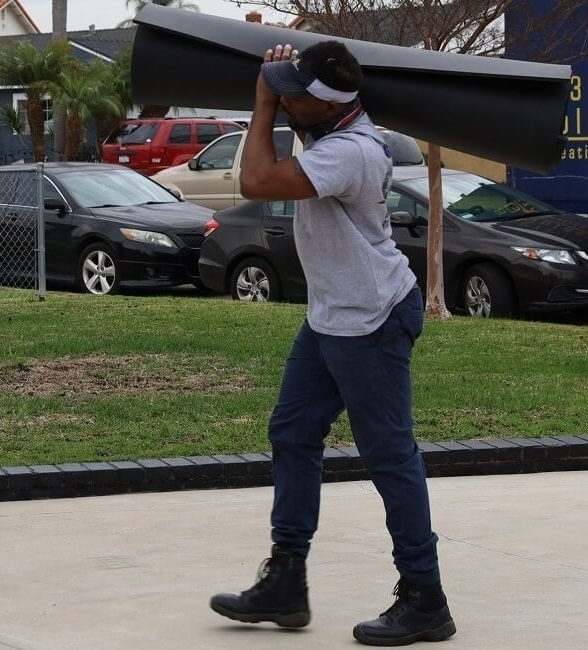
(450, 458)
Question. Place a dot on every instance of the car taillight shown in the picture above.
(210, 227)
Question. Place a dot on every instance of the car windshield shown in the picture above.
(476, 198)
(113, 187)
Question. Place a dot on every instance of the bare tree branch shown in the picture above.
(462, 26)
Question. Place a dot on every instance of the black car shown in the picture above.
(106, 227)
(249, 252)
(504, 252)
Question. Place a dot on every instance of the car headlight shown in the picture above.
(546, 255)
(147, 237)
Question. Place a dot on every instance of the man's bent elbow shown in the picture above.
(250, 187)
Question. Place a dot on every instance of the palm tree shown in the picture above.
(23, 66)
(115, 81)
(139, 4)
(59, 15)
(81, 94)
(12, 119)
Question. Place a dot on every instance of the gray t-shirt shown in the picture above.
(355, 273)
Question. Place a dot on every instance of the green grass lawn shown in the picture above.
(126, 377)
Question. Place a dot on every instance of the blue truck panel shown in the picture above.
(566, 186)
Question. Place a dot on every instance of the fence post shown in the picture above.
(41, 233)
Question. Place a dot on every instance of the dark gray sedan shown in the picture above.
(504, 252)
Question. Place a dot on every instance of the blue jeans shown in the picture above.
(369, 376)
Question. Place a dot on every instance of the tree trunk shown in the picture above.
(59, 34)
(34, 109)
(73, 139)
(59, 19)
(435, 292)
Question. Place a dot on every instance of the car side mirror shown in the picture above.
(176, 193)
(404, 219)
(193, 164)
(55, 204)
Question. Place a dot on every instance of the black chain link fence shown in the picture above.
(22, 241)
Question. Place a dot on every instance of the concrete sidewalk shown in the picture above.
(135, 572)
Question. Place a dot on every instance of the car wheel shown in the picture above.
(254, 280)
(97, 270)
(487, 292)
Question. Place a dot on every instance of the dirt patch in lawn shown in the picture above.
(123, 375)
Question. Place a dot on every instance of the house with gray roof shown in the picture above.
(14, 19)
(87, 45)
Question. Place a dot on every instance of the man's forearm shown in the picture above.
(259, 153)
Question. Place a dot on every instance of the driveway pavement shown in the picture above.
(136, 571)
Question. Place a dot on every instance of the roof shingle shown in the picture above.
(105, 42)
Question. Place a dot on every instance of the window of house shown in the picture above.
(19, 101)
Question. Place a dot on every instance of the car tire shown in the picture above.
(487, 292)
(98, 270)
(254, 280)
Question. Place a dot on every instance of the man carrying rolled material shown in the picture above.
(352, 352)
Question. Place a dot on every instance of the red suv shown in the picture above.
(149, 145)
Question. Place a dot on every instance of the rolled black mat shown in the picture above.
(501, 109)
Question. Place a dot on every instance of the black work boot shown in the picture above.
(420, 613)
(280, 594)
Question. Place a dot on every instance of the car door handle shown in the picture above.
(276, 230)
(228, 175)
